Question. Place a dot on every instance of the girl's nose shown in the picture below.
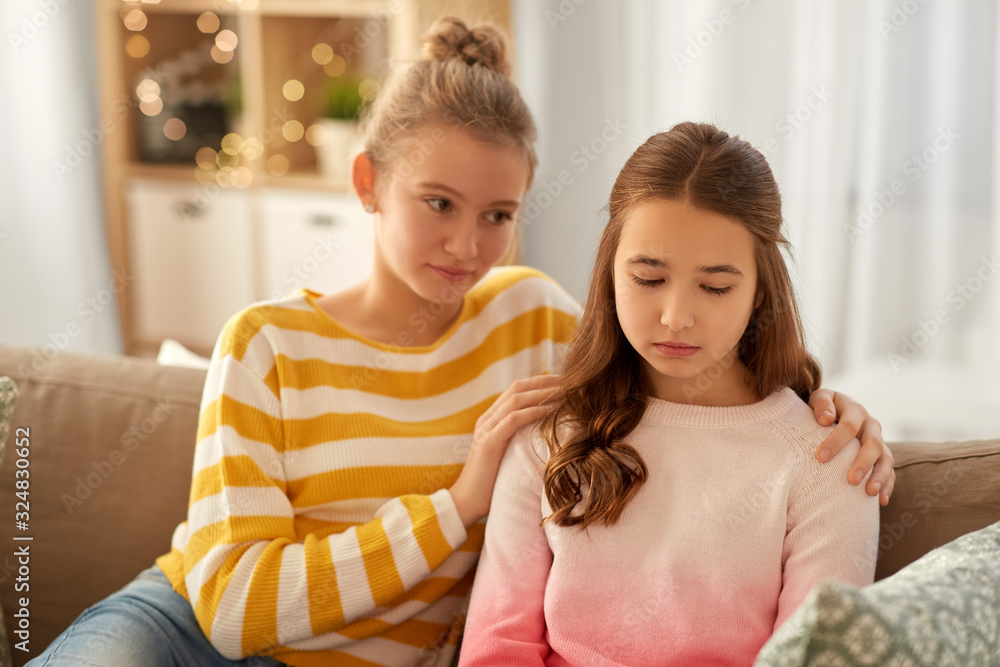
(462, 242)
(676, 313)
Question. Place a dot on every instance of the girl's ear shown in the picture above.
(760, 299)
(363, 179)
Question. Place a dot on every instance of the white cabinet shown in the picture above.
(322, 241)
(200, 254)
(191, 255)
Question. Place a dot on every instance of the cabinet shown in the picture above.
(192, 262)
(213, 194)
(313, 240)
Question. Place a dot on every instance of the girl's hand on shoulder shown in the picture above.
(855, 422)
(522, 403)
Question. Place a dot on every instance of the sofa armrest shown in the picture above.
(943, 491)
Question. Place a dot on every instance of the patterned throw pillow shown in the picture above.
(942, 610)
(8, 396)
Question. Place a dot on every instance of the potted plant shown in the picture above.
(340, 106)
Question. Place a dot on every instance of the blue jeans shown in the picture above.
(145, 624)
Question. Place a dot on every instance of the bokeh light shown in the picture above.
(293, 90)
(226, 160)
(253, 149)
(336, 66)
(244, 177)
(174, 129)
(152, 107)
(147, 90)
(316, 135)
(277, 165)
(137, 46)
(135, 20)
(226, 40)
(367, 88)
(232, 143)
(205, 157)
(220, 56)
(208, 22)
(292, 130)
(322, 54)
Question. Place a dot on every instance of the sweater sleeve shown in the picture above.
(832, 531)
(253, 583)
(506, 621)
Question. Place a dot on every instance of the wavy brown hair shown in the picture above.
(592, 473)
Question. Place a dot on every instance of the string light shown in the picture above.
(292, 130)
(208, 22)
(135, 20)
(137, 46)
(174, 129)
(226, 160)
(316, 135)
(152, 107)
(205, 157)
(277, 165)
(322, 54)
(336, 66)
(147, 90)
(367, 88)
(253, 149)
(220, 56)
(232, 143)
(226, 40)
(293, 90)
(243, 177)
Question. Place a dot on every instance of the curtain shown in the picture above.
(57, 290)
(878, 118)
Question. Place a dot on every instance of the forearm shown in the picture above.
(300, 589)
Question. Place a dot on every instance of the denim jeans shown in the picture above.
(145, 624)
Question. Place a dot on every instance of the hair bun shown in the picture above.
(484, 44)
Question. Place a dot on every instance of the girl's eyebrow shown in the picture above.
(656, 263)
(432, 185)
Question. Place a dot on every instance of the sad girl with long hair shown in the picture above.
(669, 510)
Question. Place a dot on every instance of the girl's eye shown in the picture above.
(438, 204)
(499, 217)
(718, 291)
(647, 283)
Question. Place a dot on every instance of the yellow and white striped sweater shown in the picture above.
(320, 529)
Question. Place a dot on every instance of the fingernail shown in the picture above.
(878, 487)
(824, 454)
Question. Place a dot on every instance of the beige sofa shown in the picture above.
(112, 440)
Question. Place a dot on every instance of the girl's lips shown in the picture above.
(451, 274)
(676, 349)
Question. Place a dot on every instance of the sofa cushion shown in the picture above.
(112, 444)
(942, 610)
(943, 490)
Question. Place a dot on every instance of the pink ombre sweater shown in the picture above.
(735, 524)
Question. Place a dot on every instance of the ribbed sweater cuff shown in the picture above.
(451, 523)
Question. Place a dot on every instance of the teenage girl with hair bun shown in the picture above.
(348, 443)
(669, 510)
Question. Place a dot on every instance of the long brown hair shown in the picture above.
(604, 393)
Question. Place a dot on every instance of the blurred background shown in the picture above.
(167, 163)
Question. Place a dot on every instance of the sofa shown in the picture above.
(110, 452)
